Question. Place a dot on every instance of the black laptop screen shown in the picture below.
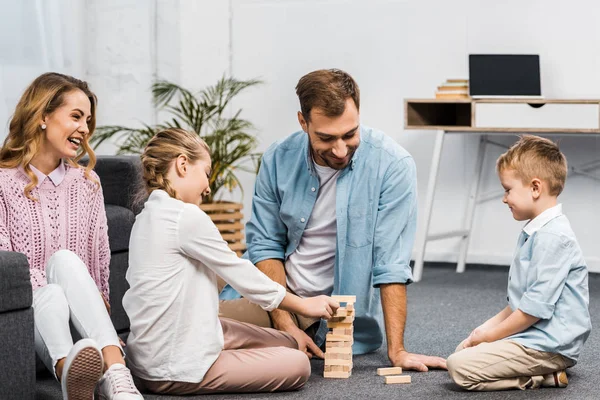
(504, 75)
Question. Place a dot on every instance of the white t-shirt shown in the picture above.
(175, 254)
(310, 268)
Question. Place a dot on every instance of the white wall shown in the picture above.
(404, 49)
(394, 49)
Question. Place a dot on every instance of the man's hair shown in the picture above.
(536, 157)
(327, 90)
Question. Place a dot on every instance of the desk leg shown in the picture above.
(471, 203)
(421, 241)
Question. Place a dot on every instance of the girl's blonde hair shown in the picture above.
(162, 150)
(25, 135)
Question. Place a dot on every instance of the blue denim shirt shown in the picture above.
(376, 211)
(548, 279)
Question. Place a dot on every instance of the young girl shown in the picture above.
(52, 210)
(178, 344)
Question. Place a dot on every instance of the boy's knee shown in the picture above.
(459, 372)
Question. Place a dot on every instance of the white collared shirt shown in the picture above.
(535, 224)
(56, 176)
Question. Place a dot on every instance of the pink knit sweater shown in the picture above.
(68, 216)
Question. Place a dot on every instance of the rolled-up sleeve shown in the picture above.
(266, 234)
(395, 224)
(550, 264)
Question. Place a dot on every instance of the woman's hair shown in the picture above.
(25, 135)
(161, 151)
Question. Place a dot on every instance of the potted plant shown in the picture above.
(206, 113)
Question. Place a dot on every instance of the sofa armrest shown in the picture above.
(17, 348)
(15, 285)
(120, 177)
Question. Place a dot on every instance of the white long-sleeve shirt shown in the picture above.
(175, 254)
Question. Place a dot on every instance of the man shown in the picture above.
(334, 212)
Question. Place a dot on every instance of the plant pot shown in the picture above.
(228, 217)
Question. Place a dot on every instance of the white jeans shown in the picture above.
(71, 295)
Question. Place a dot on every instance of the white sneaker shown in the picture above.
(82, 370)
(117, 384)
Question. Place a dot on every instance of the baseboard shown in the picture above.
(492, 259)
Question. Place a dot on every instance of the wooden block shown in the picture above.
(389, 371)
(345, 325)
(344, 299)
(349, 306)
(337, 356)
(397, 379)
(342, 331)
(335, 361)
(341, 312)
(338, 350)
(343, 375)
(330, 345)
(339, 338)
(341, 320)
(335, 368)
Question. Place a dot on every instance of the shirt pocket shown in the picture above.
(360, 225)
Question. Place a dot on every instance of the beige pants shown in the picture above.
(501, 365)
(253, 359)
(244, 311)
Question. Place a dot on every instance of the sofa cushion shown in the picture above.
(120, 221)
(118, 286)
(15, 286)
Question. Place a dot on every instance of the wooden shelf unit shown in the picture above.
(459, 115)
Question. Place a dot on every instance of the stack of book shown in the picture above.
(453, 89)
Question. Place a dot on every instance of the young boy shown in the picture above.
(541, 332)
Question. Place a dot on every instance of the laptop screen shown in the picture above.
(504, 75)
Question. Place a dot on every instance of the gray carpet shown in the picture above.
(443, 308)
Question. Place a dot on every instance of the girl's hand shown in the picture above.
(319, 307)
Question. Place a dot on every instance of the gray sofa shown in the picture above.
(119, 177)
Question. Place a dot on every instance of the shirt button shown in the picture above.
(302, 219)
(313, 189)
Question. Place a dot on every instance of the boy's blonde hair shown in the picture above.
(536, 157)
(162, 150)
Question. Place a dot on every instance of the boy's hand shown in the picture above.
(476, 337)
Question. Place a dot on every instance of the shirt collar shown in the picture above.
(55, 176)
(538, 222)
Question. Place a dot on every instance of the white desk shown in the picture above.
(486, 117)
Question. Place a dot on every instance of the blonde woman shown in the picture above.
(178, 344)
(52, 210)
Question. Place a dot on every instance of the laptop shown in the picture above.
(504, 75)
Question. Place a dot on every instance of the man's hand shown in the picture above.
(305, 343)
(416, 362)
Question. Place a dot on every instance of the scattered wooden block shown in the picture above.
(389, 371)
(343, 375)
(344, 299)
(397, 379)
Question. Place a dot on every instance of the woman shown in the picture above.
(52, 210)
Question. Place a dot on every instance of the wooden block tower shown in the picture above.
(338, 345)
